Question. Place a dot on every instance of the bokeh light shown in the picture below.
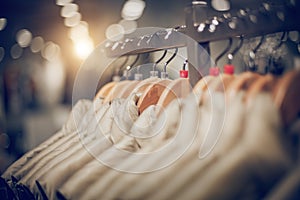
(79, 31)
(37, 44)
(63, 2)
(69, 10)
(133, 9)
(84, 47)
(3, 22)
(115, 32)
(220, 5)
(72, 21)
(16, 51)
(50, 51)
(24, 38)
(128, 25)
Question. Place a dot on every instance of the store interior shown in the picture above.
(59, 57)
(36, 92)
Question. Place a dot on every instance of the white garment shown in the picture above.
(194, 162)
(77, 112)
(124, 117)
(64, 165)
(112, 156)
(169, 146)
(183, 140)
(260, 153)
(139, 128)
(83, 126)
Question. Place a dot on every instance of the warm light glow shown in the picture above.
(84, 47)
(3, 22)
(133, 9)
(24, 38)
(74, 20)
(79, 31)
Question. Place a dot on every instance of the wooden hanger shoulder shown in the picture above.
(221, 83)
(115, 91)
(142, 85)
(152, 94)
(262, 84)
(128, 88)
(104, 90)
(179, 88)
(287, 96)
(202, 84)
(241, 82)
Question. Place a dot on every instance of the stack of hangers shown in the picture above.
(229, 137)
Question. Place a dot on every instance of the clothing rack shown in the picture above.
(241, 20)
(262, 19)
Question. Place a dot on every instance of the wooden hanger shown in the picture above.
(262, 84)
(217, 84)
(241, 82)
(113, 93)
(152, 94)
(221, 83)
(126, 91)
(202, 84)
(104, 90)
(287, 96)
(179, 88)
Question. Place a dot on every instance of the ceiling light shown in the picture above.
(24, 37)
(37, 44)
(133, 9)
(16, 51)
(220, 5)
(3, 22)
(115, 32)
(128, 25)
(69, 10)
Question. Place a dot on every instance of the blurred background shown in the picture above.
(42, 46)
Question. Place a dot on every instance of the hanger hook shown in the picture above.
(170, 59)
(128, 67)
(237, 48)
(117, 71)
(134, 62)
(273, 66)
(146, 59)
(281, 40)
(224, 51)
(160, 59)
(259, 44)
(253, 52)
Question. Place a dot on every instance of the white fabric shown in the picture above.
(120, 126)
(64, 165)
(256, 154)
(77, 112)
